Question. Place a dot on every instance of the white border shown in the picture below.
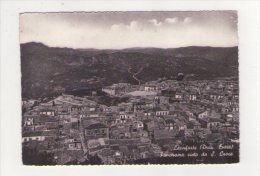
(248, 12)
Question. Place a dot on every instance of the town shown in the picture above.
(124, 123)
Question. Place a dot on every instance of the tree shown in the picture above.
(31, 156)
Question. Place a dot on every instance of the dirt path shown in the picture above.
(135, 74)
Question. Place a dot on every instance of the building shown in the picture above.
(139, 106)
(33, 136)
(151, 89)
(117, 89)
(96, 130)
(48, 112)
(160, 111)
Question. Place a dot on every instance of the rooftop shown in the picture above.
(96, 126)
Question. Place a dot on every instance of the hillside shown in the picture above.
(48, 71)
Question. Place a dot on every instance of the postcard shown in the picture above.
(129, 88)
(139, 87)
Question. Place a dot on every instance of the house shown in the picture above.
(181, 125)
(214, 123)
(28, 120)
(116, 132)
(235, 108)
(151, 88)
(139, 106)
(202, 114)
(43, 120)
(74, 145)
(107, 109)
(63, 114)
(96, 130)
(109, 91)
(75, 109)
(95, 145)
(169, 123)
(161, 100)
(161, 111)
(203, 122)
(48, 112)
(51, 123)
(147, 113)
(124, 118)
(126, 106)
(192, 97)
(178, 96)
(117, 89)
(210, 123)
(33, 136)
(190, 115)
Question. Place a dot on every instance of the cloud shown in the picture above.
(117, 26)
(187, 20)
(155, 22)
(171, 20)
(133, 25)
(163, 31)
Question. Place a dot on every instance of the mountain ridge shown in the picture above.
(49, 71)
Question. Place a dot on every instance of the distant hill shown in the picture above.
(48, 71)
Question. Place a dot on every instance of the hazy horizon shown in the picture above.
(148, 47)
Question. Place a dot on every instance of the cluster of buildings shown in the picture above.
(156, 117)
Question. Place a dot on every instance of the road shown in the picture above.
(135, 74)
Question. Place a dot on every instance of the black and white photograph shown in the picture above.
(123, 88)
(112, 88)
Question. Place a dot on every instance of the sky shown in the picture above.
(117, 30)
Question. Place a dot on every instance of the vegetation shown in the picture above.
(50, 71)
(31, 156)
(92, 160)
